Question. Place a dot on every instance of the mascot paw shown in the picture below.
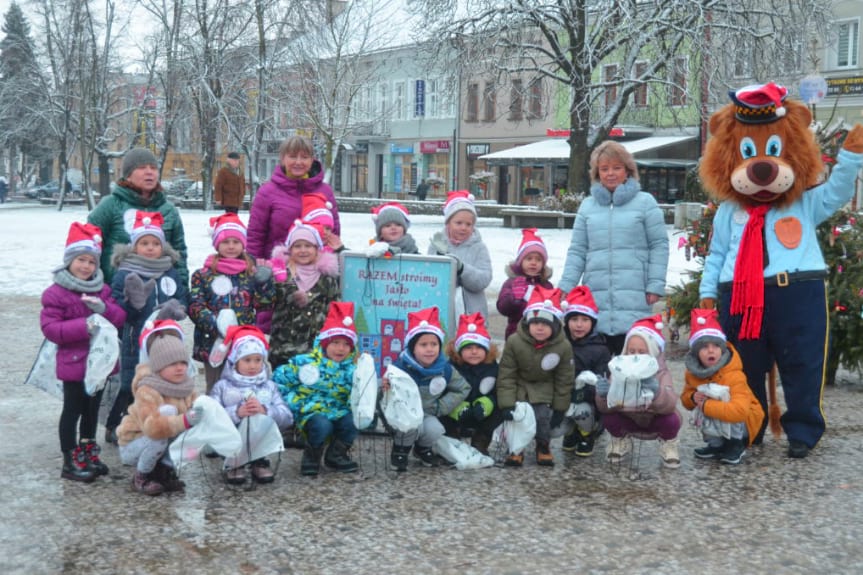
(854, 140)
(707, 303)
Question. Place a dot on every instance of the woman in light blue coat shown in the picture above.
(619, 246)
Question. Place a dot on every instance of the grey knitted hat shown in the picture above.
(167, 350)
(135, 158)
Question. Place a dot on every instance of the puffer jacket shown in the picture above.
(245, 297)
(619, 249)
(456, 390)
(115, 216)
(231, 391)
(744, 407)
(475, 375)
(509, 305)
(144, 418)
(663, 403)
(476, 273)
(278, 203)
(589, 354)
(64, 321)
(535, 373)
(311, 384)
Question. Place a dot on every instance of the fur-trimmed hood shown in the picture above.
(121, 251)
(512, 270)
(327, 264)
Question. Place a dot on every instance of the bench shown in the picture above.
(537, 219)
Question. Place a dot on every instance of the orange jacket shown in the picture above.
(743, 406)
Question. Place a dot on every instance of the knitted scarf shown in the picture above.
(168, 389)
(228, 266)
(747, 293)
(64, 278)
(146, 267)
(306, 275)
(404, 245)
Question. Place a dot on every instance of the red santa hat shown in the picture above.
(424, 321)
(457, 201)
(472, 331)
(704, 328)
(226, 226)
(339, 323)
(245, 340)
(312, 232)
(649, 328)
(388, 213)
(147, 224)
(530, 243)
(544, 304)
(580, 301)
(152, 328)
(82, 239)
(759, 103)
(317, 208)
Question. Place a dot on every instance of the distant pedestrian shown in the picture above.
(230, 187)
(4, 189)
(78, 293)
(422, 190)
(712, 360)
(524, 273)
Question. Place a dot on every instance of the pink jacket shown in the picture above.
(665, 401)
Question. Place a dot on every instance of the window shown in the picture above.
(609, 76)
(677, 79)
(383, 100)
(399, 103)
(489, 102)
(516, 101)
(847, 44)
(639, 97)
(535, 102)
(472, 103)
(433, 109)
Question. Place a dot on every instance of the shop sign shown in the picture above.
(401, 149)
(474, 151)
(434, 147)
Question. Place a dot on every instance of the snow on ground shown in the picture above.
(34, 236)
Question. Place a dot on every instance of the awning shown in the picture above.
(557, 150)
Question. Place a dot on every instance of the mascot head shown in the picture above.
(761, 149)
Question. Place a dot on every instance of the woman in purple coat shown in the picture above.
(279, 202)
(78, 292)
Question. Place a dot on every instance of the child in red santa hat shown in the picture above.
(391, 228)
(68, 306)
(713, 360)
(528, 270)
(317, 209)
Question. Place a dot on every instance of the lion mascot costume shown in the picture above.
(765, 268)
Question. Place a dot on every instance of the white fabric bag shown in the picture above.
(461, 454)
(103, 355)
(260, 436)
(364, 392)
(710, 425)
(215, 430)
(627, 371)
(402, 405)
(43, 373)
(518, 433)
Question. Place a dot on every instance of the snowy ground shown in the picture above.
(34, 236)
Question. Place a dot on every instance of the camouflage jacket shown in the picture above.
(296, 326)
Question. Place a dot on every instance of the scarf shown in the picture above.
(747, 294)
(247, 380)
(228, 266)
(404, 245)
(146, 267)
(64, 278)
(168, 389)
(306, 276)
(693, 365)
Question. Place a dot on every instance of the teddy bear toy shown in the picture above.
(765, 268)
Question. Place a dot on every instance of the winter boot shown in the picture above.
(618, 448)
(425, 455)
(669, 452)
(543, 453)
(514, 460)
(167, 477)
(480, 441)
(710, 451)
(146, 484)
(733, 452)
(311, 464)
(261, 471)
(111, 436)
(236, 475)
(399, 457)
(75, 466)
(336, 457)
(797, 449)
(92, 451)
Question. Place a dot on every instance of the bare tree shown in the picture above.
(567, 43)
